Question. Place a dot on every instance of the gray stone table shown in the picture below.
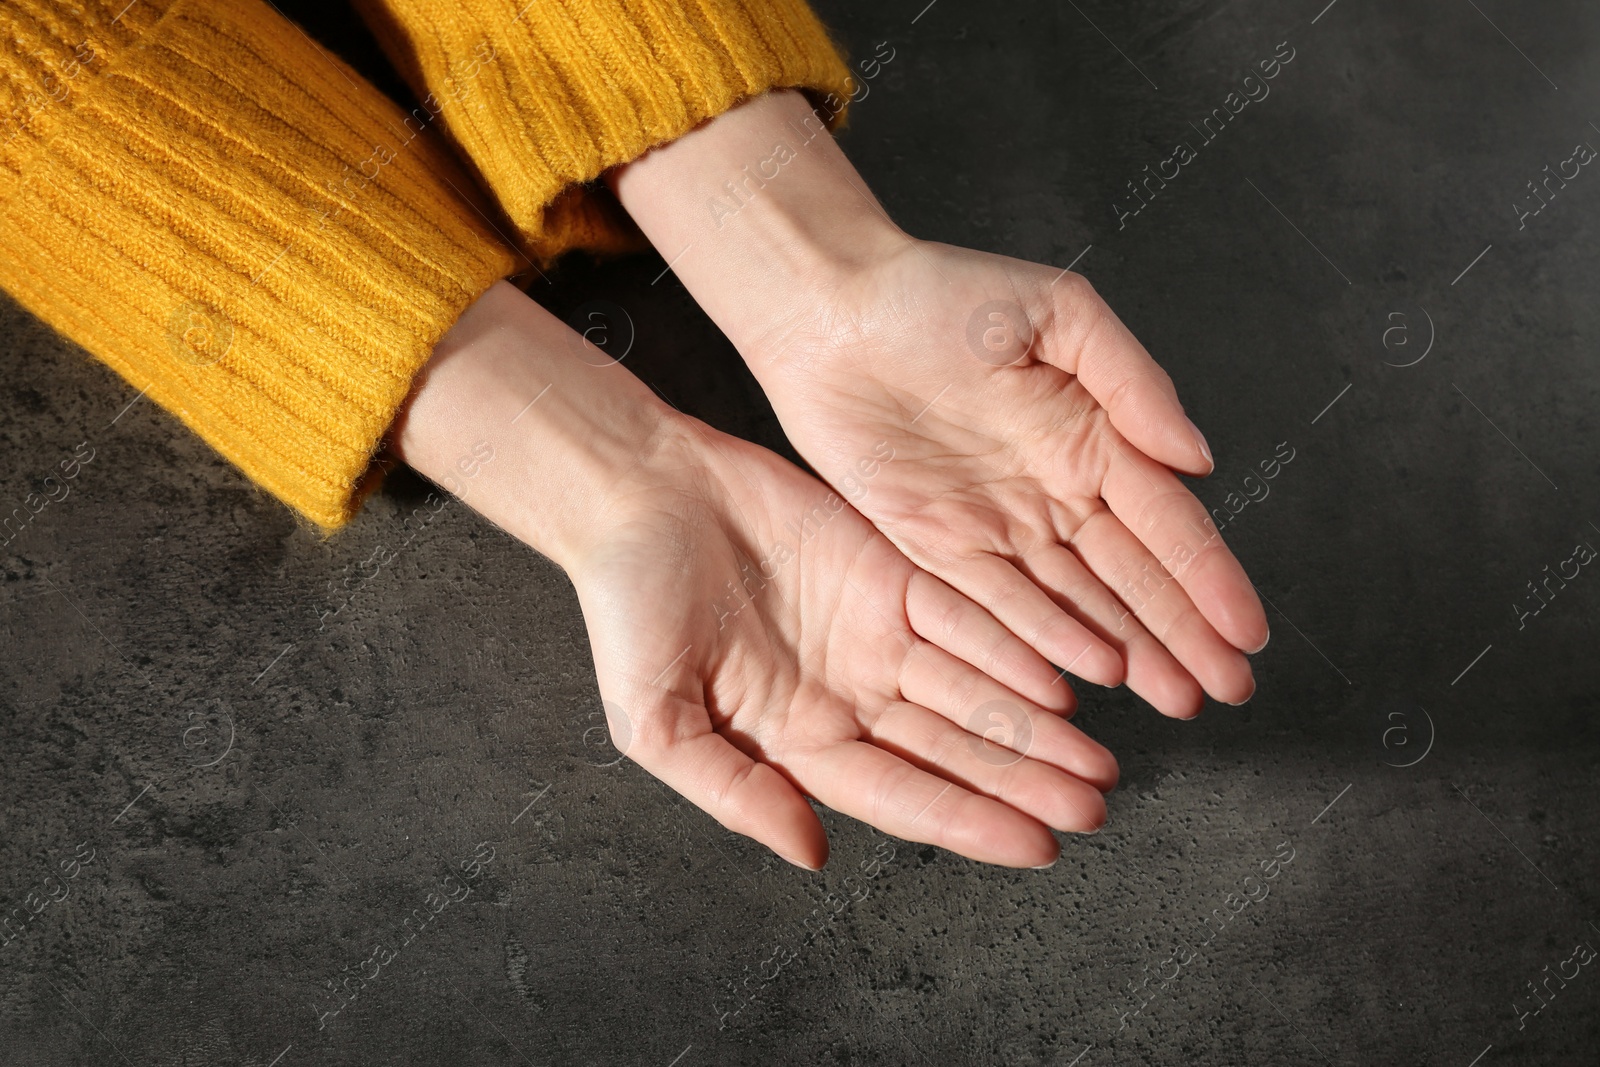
(249, 801)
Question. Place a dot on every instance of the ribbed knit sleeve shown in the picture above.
(236, 223)
(545, 95)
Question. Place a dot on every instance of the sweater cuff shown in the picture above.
(242, 228)
(544, 97)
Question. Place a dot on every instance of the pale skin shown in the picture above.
(885, 649)
(1043, 489)
(846, 674)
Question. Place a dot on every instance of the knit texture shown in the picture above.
(236, 223)
(246, 231)
(543, 96)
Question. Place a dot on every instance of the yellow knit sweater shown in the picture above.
(245, 230)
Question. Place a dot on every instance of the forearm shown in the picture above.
(264, 259)
(510, 416)
(544, 97)
(763, 195)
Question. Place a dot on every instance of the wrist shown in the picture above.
(759, 212)
(527, 426)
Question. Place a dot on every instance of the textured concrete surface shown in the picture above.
(196, 903)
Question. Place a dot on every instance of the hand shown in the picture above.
(1033, 438)
(1023, 471)
(756, 640)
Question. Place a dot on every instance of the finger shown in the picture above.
(1153, 672)
(1173, 525)
(1117, 558)
(865, 782)
(676, 744)
(944, 749)
(1027, 611)
(1002, 725)
(952, 622)
(1085, 338)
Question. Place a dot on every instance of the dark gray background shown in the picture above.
(166, 597)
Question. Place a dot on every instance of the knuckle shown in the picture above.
(1184, 618)
(1074, 288)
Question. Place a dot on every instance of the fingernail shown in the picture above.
(1247, 696)
(1047, 866)
(1205, 449)
(1262, 645)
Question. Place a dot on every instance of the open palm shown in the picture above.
(758, 642)
(1032, 442)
